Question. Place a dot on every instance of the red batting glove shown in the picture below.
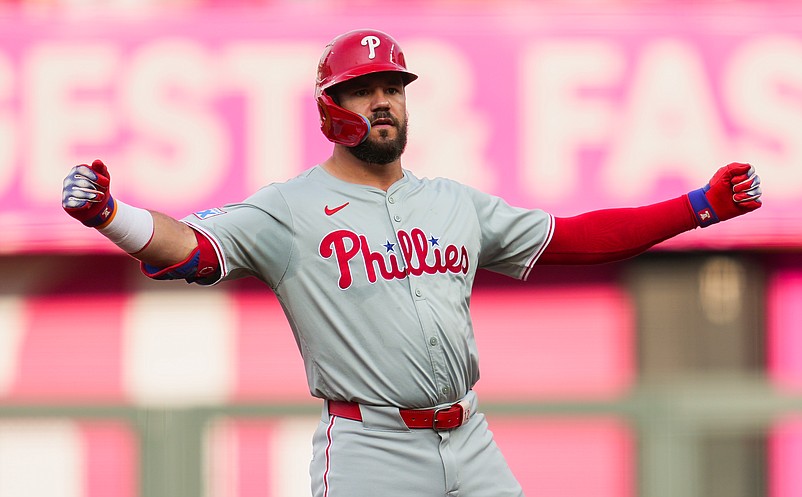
(734, 190)
(86, 196)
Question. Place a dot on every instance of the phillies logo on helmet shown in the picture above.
(418, 255)
(372, 42)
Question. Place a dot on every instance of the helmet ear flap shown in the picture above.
(340, 125)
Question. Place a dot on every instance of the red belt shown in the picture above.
(441, 418)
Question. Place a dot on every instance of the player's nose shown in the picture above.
(380, 101)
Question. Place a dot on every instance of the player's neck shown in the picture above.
(348, 168)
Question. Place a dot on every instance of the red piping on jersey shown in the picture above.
(328, 457)
(610, 235)
(540, 251)
(214, 245)
(208, 262)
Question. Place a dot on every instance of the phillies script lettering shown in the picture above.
(419, 255)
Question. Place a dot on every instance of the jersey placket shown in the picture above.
(432, 340)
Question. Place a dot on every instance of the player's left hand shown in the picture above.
(734, 190)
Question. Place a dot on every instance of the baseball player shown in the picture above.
(374, 266)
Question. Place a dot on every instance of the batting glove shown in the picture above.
(86, 196)
(734, 190)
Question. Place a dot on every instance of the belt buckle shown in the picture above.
(448, 408)
(434, 417)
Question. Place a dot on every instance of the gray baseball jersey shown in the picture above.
(376, 285)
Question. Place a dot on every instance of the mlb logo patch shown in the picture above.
(208, 213)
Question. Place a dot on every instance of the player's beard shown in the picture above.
(385, 151)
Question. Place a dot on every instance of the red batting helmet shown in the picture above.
(348, 56)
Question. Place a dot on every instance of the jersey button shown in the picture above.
(433, 341)
(391, 200)
(418, 293)
(445, 390)
(397, 218)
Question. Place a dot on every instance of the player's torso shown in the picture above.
(383, 279)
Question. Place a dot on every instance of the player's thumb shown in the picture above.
(103, 176)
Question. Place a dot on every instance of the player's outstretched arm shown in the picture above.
(613, 234)
(153, 238)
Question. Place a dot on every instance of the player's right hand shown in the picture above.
(86, 196)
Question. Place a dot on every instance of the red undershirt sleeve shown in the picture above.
(610, 235)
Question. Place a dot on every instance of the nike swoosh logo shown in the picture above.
(329, 212)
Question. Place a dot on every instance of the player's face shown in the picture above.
(381, 98)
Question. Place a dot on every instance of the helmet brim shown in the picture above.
(365, 70)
